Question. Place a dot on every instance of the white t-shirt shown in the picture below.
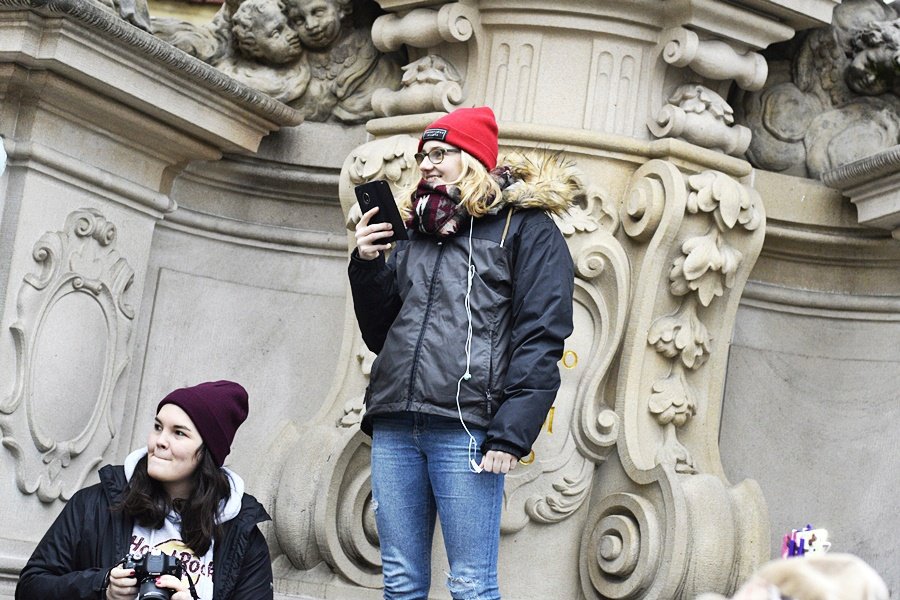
(167, 539)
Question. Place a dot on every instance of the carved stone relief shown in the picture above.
(71, 339)
(316, 56)
(832, 97)
(693, 111)
(430, 82)
(133, 11)
(700, 232)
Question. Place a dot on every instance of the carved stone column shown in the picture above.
(97, 118)
(624, 495)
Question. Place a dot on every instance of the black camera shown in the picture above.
(147, 567)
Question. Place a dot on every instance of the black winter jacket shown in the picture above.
(71, 562)
(411, 312)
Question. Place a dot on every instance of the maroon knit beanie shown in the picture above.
(471, 129)
(217, 408)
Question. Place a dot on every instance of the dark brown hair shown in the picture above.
(148, 503)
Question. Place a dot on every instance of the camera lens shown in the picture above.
(366, 198)
(149, 591)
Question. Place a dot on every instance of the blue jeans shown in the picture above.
(420, 469)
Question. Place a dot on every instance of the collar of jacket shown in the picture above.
(539, 179)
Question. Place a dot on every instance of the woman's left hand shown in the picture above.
(496, 461)
(182, 592)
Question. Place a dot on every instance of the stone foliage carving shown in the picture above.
(81, 280)
(698, 115)
(430, 83)
(832, 97)
(316, 56)
(700, 231)
(693, 111)
(705, 267)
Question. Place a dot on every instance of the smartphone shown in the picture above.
(378, 193)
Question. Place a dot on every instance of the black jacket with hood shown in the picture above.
(411, 311)
(73, 559)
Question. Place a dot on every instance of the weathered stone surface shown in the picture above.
(831, 97)
(716, 306)
(314, 55)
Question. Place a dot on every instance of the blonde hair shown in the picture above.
(479, 192)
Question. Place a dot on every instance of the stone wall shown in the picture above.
(208, 254)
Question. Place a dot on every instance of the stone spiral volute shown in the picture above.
(620, 547)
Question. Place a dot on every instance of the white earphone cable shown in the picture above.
(470, 275)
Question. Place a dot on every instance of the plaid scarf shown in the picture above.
(436, 209)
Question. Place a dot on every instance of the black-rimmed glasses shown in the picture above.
(435, 155)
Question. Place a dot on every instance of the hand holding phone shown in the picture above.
(378, 193)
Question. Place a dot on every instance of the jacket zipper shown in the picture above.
(415, 365)
(490, 381)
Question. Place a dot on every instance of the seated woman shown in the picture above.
(174, 497)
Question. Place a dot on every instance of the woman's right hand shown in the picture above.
(369, 236)
(122, 584)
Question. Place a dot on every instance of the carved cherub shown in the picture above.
(318, 22)
(269, 56)
(345, 66)
(875, 59)
(261, 30)
(315, 55)
(832, 94)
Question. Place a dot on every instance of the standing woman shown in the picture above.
(173, 496)
(468, 319)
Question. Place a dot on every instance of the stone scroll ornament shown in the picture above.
(73, 309)
(694, 112)
(667, 524)
(833, 95)
(316, 56)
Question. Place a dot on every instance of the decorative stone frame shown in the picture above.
(80, 259)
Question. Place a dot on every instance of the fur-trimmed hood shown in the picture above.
(538, 179)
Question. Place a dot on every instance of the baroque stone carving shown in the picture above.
(425, 27)
(92, 16)
(700, 116)
(82, 276)
(324, 509)
(832, 96)
(316, 56)
(431, 83)
(702, 231)
(390, 158)
(713, 59)
(133, 11)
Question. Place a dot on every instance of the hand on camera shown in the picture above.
(123, 585)
(182, 592)
(369, 236)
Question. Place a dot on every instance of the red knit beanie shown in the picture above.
(471, 129)
(217, 408)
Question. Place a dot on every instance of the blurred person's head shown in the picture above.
(816, 577)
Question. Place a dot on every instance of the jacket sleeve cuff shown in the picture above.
(502, 447)
(376, 262)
